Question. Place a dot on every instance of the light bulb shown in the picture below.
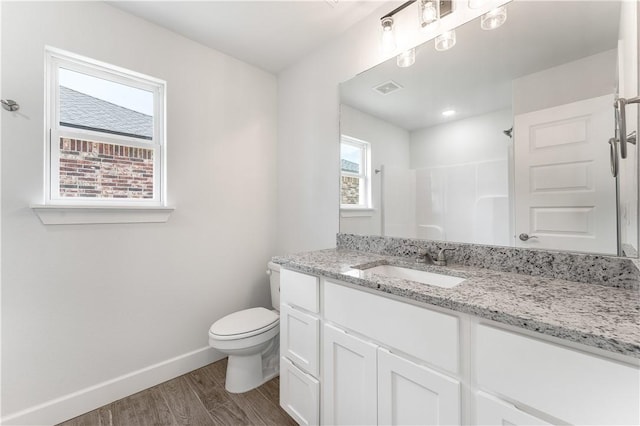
(388, 37)
(446, 40)
(406, 58)
(493, 19)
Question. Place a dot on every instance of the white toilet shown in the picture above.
(251, 339)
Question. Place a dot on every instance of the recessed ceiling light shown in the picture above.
(448, 112)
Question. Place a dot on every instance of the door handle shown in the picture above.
(613, 156)
(526, 237)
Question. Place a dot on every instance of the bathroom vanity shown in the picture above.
(362, 347)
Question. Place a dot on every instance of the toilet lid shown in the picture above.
(242, 322)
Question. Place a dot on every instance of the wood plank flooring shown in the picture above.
(198, 398)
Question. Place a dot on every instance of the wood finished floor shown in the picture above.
(197, 398)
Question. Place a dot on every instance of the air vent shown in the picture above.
(387, 87)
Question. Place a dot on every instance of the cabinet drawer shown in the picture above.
(573, 386)
(492, 411)
(427, 335)
(300, 290)
(299, 338)
(299, 394)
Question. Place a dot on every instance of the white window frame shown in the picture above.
(55, 59)
(364, 175)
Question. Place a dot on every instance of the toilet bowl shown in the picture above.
(250, 338)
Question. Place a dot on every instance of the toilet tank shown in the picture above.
(274, 277)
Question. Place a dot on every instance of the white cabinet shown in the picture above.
(349, 379)
(299, 394)
(411, 394)
(492, 411)
(385, 361)
(299, 335)
(570, 385)
(366, 384)
(300, 346)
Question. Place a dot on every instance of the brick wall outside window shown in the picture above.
(103, 170)
(350, 190)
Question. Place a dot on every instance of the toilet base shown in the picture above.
(246, 372)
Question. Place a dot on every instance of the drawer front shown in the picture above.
(573, 386)
(427, 335)
(492, 411)
(299, 394)
(299, 290)
(299, 338)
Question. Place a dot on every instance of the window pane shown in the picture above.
(350, 158)
(350, 190)
(102, 170)
(89, 102)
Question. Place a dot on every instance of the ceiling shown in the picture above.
(476, 75)
(271, 35)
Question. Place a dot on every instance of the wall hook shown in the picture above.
(10, 104)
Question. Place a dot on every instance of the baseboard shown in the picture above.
(84, 400)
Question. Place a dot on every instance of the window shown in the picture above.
(355, 172)
(105, 139)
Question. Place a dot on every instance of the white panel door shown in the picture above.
(492, 411)
(300, 338)
(349, 379)
(410, 394)
(299, 394)
(565, 195)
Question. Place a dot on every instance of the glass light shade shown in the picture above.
(388, 39)
(493, 19)
(406, 58)
(446, 40)
(428, 12)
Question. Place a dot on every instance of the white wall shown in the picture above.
(389, 147)
(474, 139)
(585, 78)
(86, 304)
(308, 131)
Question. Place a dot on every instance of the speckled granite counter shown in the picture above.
(592, 314)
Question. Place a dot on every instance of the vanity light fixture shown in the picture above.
(388, 38)
(446, 40)
(494, 18)
(429, 12)
(406, 58)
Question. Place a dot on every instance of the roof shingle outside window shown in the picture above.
(82, 111)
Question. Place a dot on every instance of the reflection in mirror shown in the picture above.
(503, 139)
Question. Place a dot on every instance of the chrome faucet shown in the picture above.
(442, 259)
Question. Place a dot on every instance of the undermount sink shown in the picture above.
(424, 277)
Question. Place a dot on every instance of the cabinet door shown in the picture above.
(299, 394)
(410, 394)
(492, 411)
(299, 338)
(349, 379)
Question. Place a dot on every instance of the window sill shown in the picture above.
(356, 212)
(74, 215)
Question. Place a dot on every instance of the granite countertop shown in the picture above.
(591, 314)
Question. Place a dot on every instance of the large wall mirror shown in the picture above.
(503, 139)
